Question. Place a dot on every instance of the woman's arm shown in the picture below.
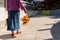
(22, 6)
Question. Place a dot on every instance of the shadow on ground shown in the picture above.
(55, 31)
(5, 36)
(54, 16)
(38, 13)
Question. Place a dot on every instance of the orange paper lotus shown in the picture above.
(25, 19)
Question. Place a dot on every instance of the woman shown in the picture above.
(13, 8)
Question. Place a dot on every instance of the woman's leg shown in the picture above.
(13, 22)
(13, 34)
(17, 22)
(10, 21)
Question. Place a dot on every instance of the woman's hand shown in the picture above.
(26, 11)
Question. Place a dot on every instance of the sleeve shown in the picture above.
(21, 5)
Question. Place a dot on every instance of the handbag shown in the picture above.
(25, 19)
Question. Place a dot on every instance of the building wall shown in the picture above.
(2, 3)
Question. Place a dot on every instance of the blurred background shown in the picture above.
(39, 7)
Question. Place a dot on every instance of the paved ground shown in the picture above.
(39, 28)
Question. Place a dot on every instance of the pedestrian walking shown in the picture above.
(13, 7)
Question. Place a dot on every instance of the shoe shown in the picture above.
(18, 32)
(13, 35)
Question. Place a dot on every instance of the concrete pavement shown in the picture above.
(39, 28)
